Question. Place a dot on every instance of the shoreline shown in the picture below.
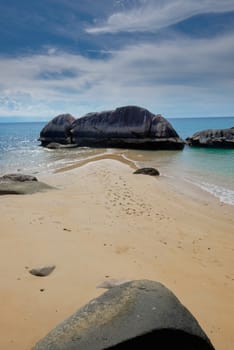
(114, 156)
(104, 222)
(188, 188)
(175, 165)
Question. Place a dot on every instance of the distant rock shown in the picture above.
(21, 184)
(135, 315)
(57, 130)
(216, 138)
(124, 127)
(42, 271)
(147, 171)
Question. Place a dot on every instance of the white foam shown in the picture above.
(225, 195)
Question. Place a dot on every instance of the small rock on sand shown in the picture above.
(42, 271)
(147, 171)
(112, 282)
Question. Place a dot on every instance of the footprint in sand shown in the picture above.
(121, 249)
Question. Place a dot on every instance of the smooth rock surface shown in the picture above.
(125, 127)
(137, 314)
(23, 187)
(42, 271)
(21, 184)
(217, 138)
(57, 130)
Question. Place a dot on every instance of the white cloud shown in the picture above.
(176, 77)
(152, 15)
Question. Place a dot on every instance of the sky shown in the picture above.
(173, 57)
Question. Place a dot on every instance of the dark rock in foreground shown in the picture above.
(42, 271)
(21, 184)
(147, 171)
(57, 130)
(135, 315)
(124, 127)
(217, 138)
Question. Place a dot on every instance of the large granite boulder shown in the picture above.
(135, 315)
(57, 130)
(21, 184)
(220, 138)
(125, 127)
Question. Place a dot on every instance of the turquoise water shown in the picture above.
(210, 169)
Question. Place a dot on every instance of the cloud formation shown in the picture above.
(151, 15)
(169, 56)
(179, 74)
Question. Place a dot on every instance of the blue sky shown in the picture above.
(174, 57)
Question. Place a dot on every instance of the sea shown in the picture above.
(212, 170)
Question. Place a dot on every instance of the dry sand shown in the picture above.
(103, 222)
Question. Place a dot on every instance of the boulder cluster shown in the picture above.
(124, 127)
(216, 138)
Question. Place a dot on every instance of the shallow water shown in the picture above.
(210, 169)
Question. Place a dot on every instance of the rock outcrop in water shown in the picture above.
(135, 315)
(124, 127)
(57, 130)
(216, 138)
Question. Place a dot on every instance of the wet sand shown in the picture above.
(103, 222)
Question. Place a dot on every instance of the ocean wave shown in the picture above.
(225, 195)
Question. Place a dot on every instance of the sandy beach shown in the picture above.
(102, 222)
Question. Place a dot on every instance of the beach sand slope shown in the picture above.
(104, 223)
